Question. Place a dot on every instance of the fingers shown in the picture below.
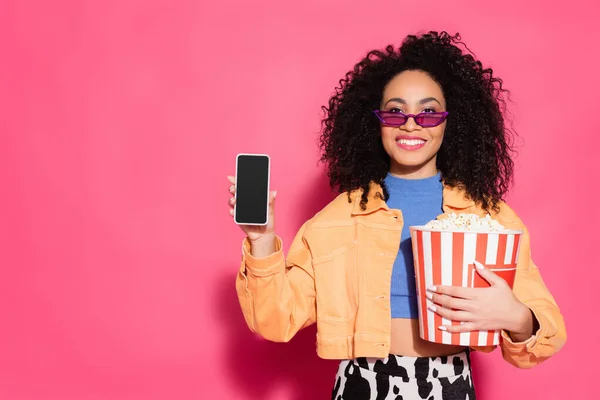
(452, 315)
(466, 327)
(231, 201)
(458, 309)
(451, 303)
(455, 291)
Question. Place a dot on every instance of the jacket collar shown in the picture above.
(454, 199)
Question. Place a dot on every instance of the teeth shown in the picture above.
(411, 142)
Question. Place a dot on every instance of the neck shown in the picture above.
(414, 171)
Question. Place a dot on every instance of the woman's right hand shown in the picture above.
(262, 238)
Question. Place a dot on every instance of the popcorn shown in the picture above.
(465, 223)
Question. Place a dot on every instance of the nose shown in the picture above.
(410, 124)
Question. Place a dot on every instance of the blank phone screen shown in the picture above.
(252, 189)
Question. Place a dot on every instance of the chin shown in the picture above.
(411, 162)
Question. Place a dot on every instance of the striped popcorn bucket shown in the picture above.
(446, 258)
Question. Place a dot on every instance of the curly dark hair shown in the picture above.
(475, 154)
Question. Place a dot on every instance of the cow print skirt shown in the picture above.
(405, 378)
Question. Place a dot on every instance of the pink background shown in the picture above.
(120, 121)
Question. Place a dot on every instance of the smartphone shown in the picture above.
(252, 172)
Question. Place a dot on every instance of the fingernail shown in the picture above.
(432, 308)
(443, 328)
(429, 295)
(432, 288)
(478, 265)
(274, 194)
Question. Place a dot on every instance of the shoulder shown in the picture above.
(330, 228)
(508, 217)
(338, 210)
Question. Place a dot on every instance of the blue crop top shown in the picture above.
(420, 201)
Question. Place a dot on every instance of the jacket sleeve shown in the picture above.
(530, 289)
(277, 297)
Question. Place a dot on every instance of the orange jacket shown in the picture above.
(338, 274)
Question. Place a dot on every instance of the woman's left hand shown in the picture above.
(491, 308)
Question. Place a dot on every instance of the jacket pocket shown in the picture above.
(336, 285)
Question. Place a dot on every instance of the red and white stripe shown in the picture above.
(446, 258)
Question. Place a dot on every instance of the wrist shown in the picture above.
(524, 324)
(264, 238)
(263, 245)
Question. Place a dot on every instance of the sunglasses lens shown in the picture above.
(430, 119)
(393, 119)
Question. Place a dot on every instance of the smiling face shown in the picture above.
(411, 147)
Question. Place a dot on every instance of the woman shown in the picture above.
(411, 133)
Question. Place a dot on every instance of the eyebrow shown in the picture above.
(422, 101)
